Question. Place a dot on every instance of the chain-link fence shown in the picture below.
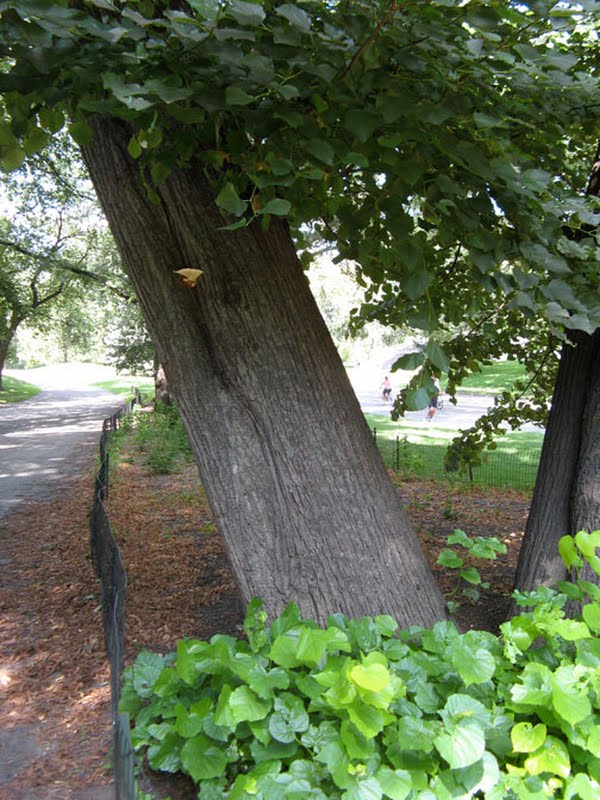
(507, 466)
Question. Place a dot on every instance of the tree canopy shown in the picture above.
(438, 144)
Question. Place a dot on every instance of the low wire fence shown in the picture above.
(507, 466)
(107, 562)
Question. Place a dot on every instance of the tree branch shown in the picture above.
(380, 25)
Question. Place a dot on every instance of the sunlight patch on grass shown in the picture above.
(13, 390)
(494, 378)
(125, 384)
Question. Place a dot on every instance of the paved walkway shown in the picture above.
(367, 382)
(48, 439)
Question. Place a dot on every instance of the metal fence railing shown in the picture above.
(107, 562)
(504, 467)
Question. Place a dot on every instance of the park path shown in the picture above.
(49, 636)
(366, 382)
(47, 440)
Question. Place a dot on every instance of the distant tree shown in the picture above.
(54, 248)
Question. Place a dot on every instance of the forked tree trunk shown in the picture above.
(565, 497)
(292, 475)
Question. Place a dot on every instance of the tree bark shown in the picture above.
(585, 506)
(292, 475)
(5, 343)
(565, 495)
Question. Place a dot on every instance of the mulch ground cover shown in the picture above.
(53, 673)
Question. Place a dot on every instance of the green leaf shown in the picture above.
(471, 575)
(247, 13)
(474, 663)
(526, 737)
(416, 399)
(165, 755)
(12, 157)
(81, 132)
(235, 96)
(552, 757)
(246, 706)
(146, 671)
(295, 16)
(35, 141)
(283, 649)
(373, 677)
(464, 746)
(410, 361)
(364, 789)
(449, 559)
(356, 159)
(368, 720)
(188, 724)
(487, 121)
(591, 615)
(395, 783)
(202, 759)
(437, 356)
(206, 9)
(229, 200)
(361, 123)
(288, 719)
(134, 148)
(278, 207)
(415, 284)
(356, 745)
(569, 695)
(320, 149)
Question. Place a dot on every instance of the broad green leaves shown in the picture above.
(431, 144)
(358, 710)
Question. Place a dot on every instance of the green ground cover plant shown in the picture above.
(359, 710)
(13, 390)
(460, 554)
(159, 432)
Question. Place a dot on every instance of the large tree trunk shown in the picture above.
(565, 497)
(292, 475)
(585, 505)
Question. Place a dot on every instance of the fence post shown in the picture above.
(397, 454)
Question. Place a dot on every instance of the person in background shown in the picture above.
(387, 389)
(433, 402)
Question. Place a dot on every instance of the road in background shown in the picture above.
(367, 381)
(48, 439)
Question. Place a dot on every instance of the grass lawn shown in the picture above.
(420, 451)
(125, 384)
(494, 378)
(13, 391)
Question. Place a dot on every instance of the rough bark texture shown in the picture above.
(569, 456)
(289, 466)
(566, 497)
(585, 511)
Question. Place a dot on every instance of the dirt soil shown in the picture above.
(53, 672)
